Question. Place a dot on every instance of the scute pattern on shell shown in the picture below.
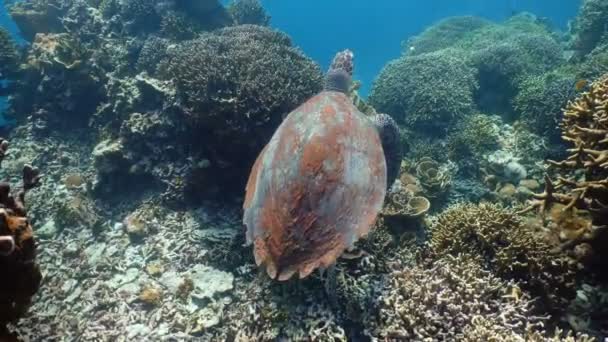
(316, 188)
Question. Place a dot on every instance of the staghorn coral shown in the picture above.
(21, 276)
(507, 246)
(582, 182)
(248, 12)
(444, 300)
(432, 90)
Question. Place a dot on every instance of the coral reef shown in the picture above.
(582, 181)
(503, 66)
(589, 27)
(540, 101)
(8, 57)
(471, 139)
(443, 34)
(233, 99)
(20, 272)
(430, 91)
(447, 300)
(40, 16)
(57, 59)
(508, 247)
(245, 12)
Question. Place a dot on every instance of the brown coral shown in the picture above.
(21, 276)
(582, 181)
(508, 246)
(444, 300)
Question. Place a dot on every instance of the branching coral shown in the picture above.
(248, 12)
(583, 183)
(21, 276)
(430, 91)
(445, 299)
(508, 247)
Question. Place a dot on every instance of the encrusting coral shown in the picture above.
(21, 275)
(582, 181)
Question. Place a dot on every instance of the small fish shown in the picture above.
(580, 85)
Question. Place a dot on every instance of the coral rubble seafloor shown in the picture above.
(146, 116)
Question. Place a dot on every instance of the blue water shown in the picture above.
(374, 29)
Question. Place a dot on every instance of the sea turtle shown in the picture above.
(318, 185)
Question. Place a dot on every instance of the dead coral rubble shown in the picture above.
(20, 274)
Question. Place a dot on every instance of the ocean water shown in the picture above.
(374, 29)
(191, 170)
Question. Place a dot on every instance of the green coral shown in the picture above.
(248, 12)
(507, 247)
(8, 54)
(444, 34)
(177, 26)
(432, 90)
(590, 26)
(540, 100)
(472, 138)
(503, 65)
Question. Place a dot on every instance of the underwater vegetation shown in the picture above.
(464, 200)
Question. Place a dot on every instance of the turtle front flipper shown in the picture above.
(388, 130)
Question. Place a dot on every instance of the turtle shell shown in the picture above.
(316, 187)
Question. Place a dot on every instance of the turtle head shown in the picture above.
(340, 72)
